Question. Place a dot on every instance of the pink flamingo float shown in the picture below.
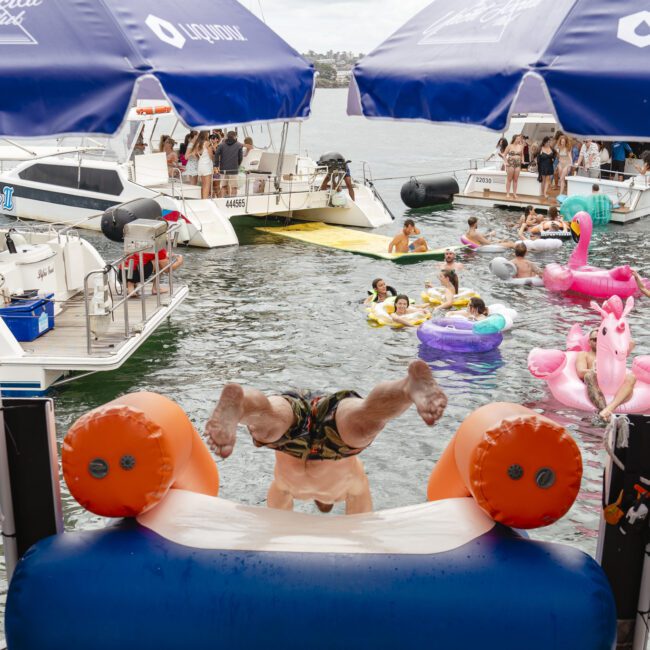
(558, 368)
(578, 276)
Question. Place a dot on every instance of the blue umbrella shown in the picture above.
(479, 61)
(72, 66)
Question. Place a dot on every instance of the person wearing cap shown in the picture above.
(450, 263)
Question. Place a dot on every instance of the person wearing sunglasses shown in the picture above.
(586, 371)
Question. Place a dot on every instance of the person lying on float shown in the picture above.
(586, 371)
(477, 238)
(317, 436)
(404, 308)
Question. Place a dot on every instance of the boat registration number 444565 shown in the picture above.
(236, 203)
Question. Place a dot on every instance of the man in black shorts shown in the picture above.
(132, 265)
(318, 436)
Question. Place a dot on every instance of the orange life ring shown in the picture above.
(153, 110)
(121, 459)
(523, 469)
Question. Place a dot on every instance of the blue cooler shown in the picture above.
(28, 319)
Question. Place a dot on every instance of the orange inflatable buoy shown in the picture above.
(523, 469)
(153, 110)
(121, 459)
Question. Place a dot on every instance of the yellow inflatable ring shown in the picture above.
(436, 296)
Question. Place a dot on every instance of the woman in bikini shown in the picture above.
(565, 160)
(513, 155)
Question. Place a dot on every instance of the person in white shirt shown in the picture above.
(589, 158)
(605, 161)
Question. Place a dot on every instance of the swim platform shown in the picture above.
(353, 241)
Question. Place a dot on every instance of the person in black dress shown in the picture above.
(545, 159)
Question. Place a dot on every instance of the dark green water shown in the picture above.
(274, 314)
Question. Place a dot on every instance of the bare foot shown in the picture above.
(162, 290)
(429, 399)
(514, 196)
(221, 428)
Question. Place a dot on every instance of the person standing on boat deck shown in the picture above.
(545, 168)
(565, 161)
(514, 157)
(227, 159)
(215, 140)
(605, 161)
(317, 436)
(173, 165)
(620, 151)
(248, 146)
(192, 166)
(590, 158)
(497, 156)
(402, 243)
(205, 166)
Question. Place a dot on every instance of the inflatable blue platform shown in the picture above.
(201, 572)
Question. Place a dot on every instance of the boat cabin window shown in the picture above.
(104, 181)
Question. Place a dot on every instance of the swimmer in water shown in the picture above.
(380, 291)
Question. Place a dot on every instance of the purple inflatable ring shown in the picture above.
(457, 335)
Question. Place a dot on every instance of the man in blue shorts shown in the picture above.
(402, 243)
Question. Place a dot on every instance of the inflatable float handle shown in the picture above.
(523, 469)
(121, 459)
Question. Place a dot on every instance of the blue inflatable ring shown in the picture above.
(458, 335)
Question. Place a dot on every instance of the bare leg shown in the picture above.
(348, 183)
(622, 395)
(509, 174)
(267, 418)
(359, 500)
(278, 497)
(515, 180)
(594, 393)
(420, 245)
(360, 420)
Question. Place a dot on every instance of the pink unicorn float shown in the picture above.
(558, 368)
(578, 276)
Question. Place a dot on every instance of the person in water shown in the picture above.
(479, 239)
(525, 269)
(586, 371)
(403, 308)
(449, 282)
(380, 291)
(450, 263)
(317, 436)
(476, 310)
(402, 243)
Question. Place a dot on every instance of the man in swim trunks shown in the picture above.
(525, 269)
(402, 243)
(317, 436)
(480, 239)
(586, 371)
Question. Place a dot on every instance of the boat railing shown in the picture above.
(104, 281)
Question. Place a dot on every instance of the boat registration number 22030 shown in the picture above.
(236, 203)
(483, 179)
(7, 198)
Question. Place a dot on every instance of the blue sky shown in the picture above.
(321, 25)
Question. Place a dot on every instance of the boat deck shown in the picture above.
(68, 338)
(492, 198)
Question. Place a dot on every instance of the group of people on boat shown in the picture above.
(556, 157)
(209, 159)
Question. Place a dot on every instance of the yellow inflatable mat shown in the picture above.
(352, 241)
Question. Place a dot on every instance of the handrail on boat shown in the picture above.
(116, 267)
